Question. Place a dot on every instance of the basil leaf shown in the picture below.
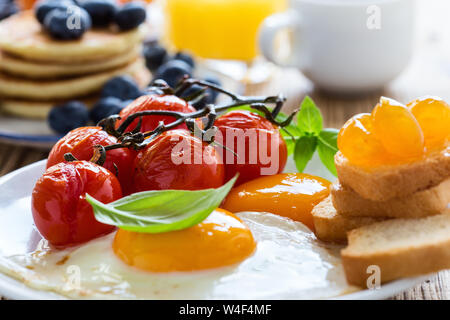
(290, 142)
(327, 148)
(161, 210)
(304, 150)
(309, 118)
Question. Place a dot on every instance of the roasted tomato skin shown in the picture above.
(155, 102)
(237, 123)
(156, 170)
(80, 143)
(60, 211)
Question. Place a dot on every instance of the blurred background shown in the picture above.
(224, 38)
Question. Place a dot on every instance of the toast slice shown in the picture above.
(420, 204)
(389, 182)
(399, 247)
(331, 226)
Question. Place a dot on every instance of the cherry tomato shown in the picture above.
(80, 143)
(259, 149)
(155, 102)
(60, 210)
(178, 160)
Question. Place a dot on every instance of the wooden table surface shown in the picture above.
(427, 74)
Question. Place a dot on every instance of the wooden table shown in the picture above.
(428, 74)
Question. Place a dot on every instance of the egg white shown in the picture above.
(288, 263)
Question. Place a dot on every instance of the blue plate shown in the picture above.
(27, 132)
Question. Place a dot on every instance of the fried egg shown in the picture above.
(220, 240)
(291, 195)
(266, 257)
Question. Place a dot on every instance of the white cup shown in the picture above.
(346, 46)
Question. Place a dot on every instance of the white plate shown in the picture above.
(19, 185)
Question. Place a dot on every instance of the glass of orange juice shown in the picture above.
(218, 29)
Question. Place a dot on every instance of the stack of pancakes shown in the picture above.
(38, 72)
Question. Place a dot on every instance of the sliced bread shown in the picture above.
(389, 182)
(417, 205)
(399, 248)
(331, 226)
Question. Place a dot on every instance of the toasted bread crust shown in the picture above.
(407, 262)
(331, 226)
(397, 258)
(419, 204)
(386, 183)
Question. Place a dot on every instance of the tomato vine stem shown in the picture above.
(138, 140)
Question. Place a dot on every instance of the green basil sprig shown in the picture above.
(161, 210)
(314, 137)
(327, 148)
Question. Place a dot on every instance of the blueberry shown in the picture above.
(7, 8)
(151, 90)
(154, 55)
(69, 116)
(212, 94)
(102, 12)
(186, 58)
(43, 7)
(105, 107)
(122, 87)
(130, 16)
(173, 72)
(67, 24)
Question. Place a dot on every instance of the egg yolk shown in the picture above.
(396, 134)
(220, 240)
(291, 195)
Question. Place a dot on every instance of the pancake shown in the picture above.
(12, 87)
(45, 70)
(36, 109)
(22, 35)
(40, 109)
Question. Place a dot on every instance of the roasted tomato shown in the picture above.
(155, 102)
(60, 210)
(177, 160)
(80, 143)
(259, 148)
